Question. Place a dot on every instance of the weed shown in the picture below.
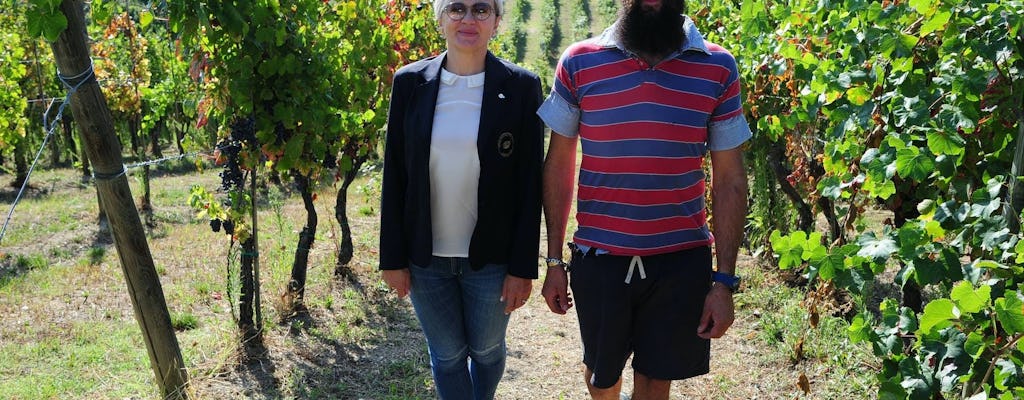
(184, 321)
(61, 254)
(203, 288)
(30, 262)
(96, 254)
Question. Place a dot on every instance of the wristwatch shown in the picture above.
(730, 281)
(555, 262)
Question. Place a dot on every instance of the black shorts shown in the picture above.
(654, 318)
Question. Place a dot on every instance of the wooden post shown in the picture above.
(104, 150)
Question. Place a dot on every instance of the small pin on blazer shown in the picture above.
(501, 95)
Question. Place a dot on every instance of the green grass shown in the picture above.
(783, 322)
(33, 261)
(184, 321)
(95, 255)
(66, 211)
(89, 360)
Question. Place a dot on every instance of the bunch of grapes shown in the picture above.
(243, 135)
(229, 226)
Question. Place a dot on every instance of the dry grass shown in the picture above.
(68, 328)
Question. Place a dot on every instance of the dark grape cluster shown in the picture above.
(243, 134)
(244, 130)
(280, 135)
(330, 161)
(229, 226)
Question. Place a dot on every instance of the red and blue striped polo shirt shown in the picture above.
(644, 132)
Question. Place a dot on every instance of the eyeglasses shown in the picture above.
(457, 11)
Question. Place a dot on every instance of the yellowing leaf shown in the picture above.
(858, 95)
(936, 22)
(145, 18)
(926, 7)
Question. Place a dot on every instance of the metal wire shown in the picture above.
(73, 83)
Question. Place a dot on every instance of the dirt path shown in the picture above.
(545, 361)
(367, 345)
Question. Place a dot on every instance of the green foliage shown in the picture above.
(45, 19)
(608, 10)
(511, 40)
(902, 105)
(550, 10)
(313, 76)
(580, 15)
(13, 104)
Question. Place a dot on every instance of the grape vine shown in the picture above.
(896, 106)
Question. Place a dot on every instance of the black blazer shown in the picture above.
(510, 145)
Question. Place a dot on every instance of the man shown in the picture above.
(648, 98)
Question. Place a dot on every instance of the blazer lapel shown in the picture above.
(425, 100)
(495, 102)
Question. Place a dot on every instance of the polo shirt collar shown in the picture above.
(693, 40)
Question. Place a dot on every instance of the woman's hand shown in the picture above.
(398, 280)
(515, 292)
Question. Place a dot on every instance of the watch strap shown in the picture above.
(730, 281)
(555, 262)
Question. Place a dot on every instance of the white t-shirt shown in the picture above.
(454, 163)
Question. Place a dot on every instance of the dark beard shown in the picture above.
(653, 33)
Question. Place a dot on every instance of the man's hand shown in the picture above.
(718, 313)
(559, 179)
(515, 292)
(398, 280)
(556, 290)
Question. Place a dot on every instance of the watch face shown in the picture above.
(554, 262)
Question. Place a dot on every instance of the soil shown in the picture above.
(388, 360)
(544, 359)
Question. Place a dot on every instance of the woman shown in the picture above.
(460, 214)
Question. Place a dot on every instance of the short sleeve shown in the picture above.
(728, 127)
(728, 134)
(560, 111)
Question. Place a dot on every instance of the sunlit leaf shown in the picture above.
(875, 248)
(968, 299)
(1008, 310)
(940, 142)
(145, 18)
(937, 315)
(913, 164)
(858, 95)
(936, 22)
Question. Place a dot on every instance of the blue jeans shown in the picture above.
(464, 322)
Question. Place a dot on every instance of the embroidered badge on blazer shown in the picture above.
(506, 143)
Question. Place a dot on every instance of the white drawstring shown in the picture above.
(637, 261)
